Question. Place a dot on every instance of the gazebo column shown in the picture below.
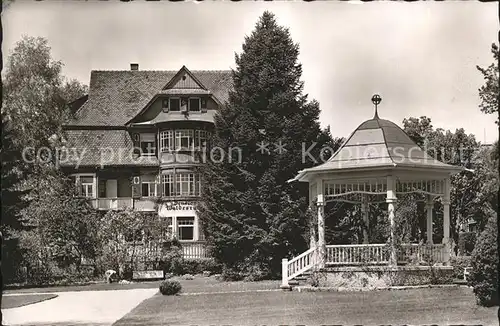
(321, 224)
(446, 222)
(391, 208)
(429, 206)
(312, 232)
(312, 229)
(366, 221)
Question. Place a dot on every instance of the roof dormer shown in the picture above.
(184, 79)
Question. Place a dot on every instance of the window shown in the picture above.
(185, 228)
(168, 185)
(87, 186)
(194, 104)
(185, 185)
(175, 104)
(201, 138)
(181, 184)
(184, 139)
(166, 140)
(148, 189)
(148, 144)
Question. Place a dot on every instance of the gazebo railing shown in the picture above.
(357, 254)
(421, 254)
(378, 254)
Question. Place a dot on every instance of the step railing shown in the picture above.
(298, 265)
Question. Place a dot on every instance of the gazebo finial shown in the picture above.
(376, 99)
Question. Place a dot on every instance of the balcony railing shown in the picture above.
(140, 204)
(113, 203)
(144, 204)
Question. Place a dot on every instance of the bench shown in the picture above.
(148, 275)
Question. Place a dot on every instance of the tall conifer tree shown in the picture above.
(251, 215)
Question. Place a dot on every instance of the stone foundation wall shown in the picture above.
(378, 277)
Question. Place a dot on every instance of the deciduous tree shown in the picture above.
(473, 191)
(490, 91)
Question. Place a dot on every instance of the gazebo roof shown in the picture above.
(378, 144)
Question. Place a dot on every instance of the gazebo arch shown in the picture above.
(377, 163)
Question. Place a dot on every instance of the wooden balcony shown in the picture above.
(144, 204)
(140, 204)
(113, 203)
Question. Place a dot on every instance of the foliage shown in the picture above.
(36, 93)
(34, 105)
(459, 263)
(198, 266)
(172, 260)
(13, 198)
(473, 194)
(124, 236)
(488, 93)
(466, 242)
(62, 221)
(170, 287)
(251, 215)
(343, 223)
(484, 275)
(408, 218)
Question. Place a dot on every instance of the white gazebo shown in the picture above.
(377, 163)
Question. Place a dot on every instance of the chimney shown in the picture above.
(134, 66)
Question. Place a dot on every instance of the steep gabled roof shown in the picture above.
(102, 148)
(378, 143)
(115, 97)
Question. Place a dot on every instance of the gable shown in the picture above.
(184, 79)
(115, 97)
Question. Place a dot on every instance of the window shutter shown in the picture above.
(102, 188)
(136, 186)
(203, 104)
(136, 141)
(159, 188)
(78, 186)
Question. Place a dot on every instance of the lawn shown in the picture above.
(417, 306)
(89, 287)
(199, 284)
(14, 301)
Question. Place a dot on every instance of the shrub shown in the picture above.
(172, 260)
(198, 266)
(459, 263)
(484, 274)
(466, 242)
(170, 287)
(188, 277)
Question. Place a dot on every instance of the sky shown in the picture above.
(420, 57)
